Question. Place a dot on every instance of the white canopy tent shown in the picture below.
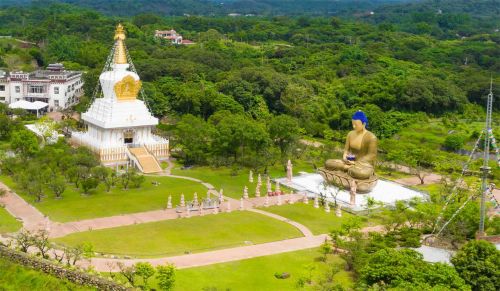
(30, 106)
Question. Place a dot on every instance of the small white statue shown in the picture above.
(195, 199)
(245, 192)
(183, 203)
(250, 177)
(338, 211)
(305, 199)
(169, 203)
(257, 191)
(266, 201)
(289, 171)
(242, 205)
(316, 202)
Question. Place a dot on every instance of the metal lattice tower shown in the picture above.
(485, 168)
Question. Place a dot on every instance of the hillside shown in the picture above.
(212, 7)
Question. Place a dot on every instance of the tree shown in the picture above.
(399, 268)
(478, 263)
(57, 184)
(24, 142)
(454, 142)
(24, 240)
(41, 242)
(195, 138)
(325, 249)
(284, 131)
(104, 175)
(166, 277)
(145, 271)
(137, 180)
(128, 176)
(128, 272)
(88, 184)
(370, 204)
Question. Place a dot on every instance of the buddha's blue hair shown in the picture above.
(360, 115)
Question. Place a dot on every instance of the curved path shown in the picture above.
(215, 257)
(31, 217)
(35, 220)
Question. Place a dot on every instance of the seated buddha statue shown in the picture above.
(360, 151)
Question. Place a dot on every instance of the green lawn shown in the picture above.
(16, 277)
(233, 185)
(195, 234)
(75, 206)
(316, 219)
(258, 273)
(7, 222)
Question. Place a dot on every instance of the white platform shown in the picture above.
(385, 191)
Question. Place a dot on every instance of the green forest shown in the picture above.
(280, 77)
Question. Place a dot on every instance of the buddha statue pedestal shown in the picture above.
(344, 180)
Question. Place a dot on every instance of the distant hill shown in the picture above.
(221, 7)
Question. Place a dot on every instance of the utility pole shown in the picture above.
(485, 168)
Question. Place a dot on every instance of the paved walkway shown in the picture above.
(215, 257)
(31, 218)
(57, 229)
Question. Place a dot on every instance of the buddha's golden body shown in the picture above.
(360, 153)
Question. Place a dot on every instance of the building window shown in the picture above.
(2, 98)
(56, 90)
(2, 87)
(18, 89)
(56, 103)
(36, 89)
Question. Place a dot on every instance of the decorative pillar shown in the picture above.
(183, 203)
(245, 192)
(289, 172)
(169, 204)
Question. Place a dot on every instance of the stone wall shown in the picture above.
(76, 276)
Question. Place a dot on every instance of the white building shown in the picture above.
(119, 126)
(55, 86)
(172, 36)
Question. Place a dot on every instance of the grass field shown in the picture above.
(233, 184)
(316, 219)
(195, 234)
(7, 222)
(74, 206)
(16, 277)
(258, 273)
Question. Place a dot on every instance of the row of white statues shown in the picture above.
(215, 204)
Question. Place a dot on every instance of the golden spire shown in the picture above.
(120, 54)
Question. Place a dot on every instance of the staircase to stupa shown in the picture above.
(148, 162)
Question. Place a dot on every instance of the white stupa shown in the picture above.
(119, 126)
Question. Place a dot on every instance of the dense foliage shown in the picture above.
(316, 71)
(478, 262)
